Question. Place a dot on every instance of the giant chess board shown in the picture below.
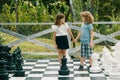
(47, 69)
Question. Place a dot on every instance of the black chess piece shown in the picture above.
(19, 70)
(64, 69)
(10, 64)
(18, 51)
(18, 54)
(3, 72)
(14, 55)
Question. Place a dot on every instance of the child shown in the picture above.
(86, 37)
(60, 32)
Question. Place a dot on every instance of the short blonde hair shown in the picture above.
(88, 17)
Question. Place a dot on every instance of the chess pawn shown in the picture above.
(64, 69)
(114, 74)
(18, 52)
(19, 70)
(95, 65)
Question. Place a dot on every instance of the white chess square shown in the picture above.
(41, 65)
(51, 72)
(82, 78)
(53, 67)
(17, 78)
(54, 63)
(76, 63)
(50, 78)
(30, 63)
(81, 72)
(35, 75)
(97, 75)
(43, 61)
(27, 67)
(69, 65)
(38, 70)
(27, 72)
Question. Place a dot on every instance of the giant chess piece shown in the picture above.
(116, 53)
(14, 55)
(106, 61)
(18, 52)
(3, 71)
(19, 70)
(95, 65)
(10, 64)
(114, 74)
(64, 69)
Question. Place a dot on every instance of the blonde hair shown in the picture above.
(58, 17)
(88, 17)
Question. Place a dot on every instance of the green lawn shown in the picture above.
(30, 47)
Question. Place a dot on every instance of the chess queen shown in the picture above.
(61, 31)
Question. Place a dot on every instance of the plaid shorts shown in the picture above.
(86, 50)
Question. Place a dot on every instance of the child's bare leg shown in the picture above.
(90, 61)
(59, 55)
(81, 64)
(82, 59)
(63, 52)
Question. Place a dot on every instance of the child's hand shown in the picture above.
(56, 47)
(75, 40)
(91, 44)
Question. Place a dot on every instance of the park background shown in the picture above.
(44, 11)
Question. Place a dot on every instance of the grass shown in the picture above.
(26, 56)
(30, 47)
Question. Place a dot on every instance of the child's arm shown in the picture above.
(70, 33)
(78, 36)
(91, 35)
(54, 39)
(91, 38)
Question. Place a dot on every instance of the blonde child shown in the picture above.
(60, 33)
(86, 38)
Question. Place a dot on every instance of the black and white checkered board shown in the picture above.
(48, 70)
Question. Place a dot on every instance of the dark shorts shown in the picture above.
(86, 50)
(62, 42)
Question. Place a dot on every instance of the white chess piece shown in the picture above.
(116, 53)
(106, 61)
(95, 65)
(114, 74)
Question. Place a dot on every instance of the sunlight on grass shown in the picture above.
(30, 47)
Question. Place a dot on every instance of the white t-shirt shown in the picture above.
(60, 30)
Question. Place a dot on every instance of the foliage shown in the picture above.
(46, 10)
